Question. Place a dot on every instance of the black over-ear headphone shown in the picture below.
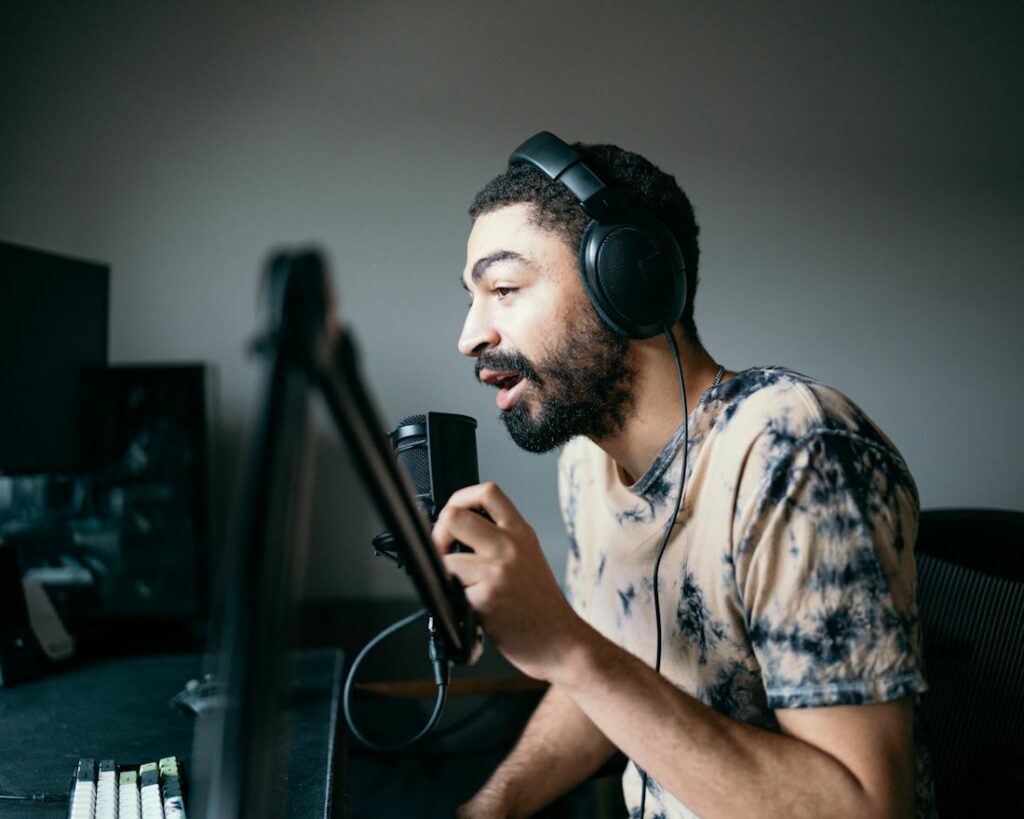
(632, 267)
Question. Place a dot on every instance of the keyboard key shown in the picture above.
(106, 791)
(152, 805)
(83, 800)
(129, 806)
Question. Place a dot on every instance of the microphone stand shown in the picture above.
(304, 349)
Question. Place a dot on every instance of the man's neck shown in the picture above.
(657, 411)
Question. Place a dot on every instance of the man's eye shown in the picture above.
(501, 292)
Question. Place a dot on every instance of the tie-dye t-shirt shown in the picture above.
(789, 578)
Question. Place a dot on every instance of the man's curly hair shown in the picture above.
(558, 210)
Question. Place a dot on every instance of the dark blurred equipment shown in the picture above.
(970, 565)
(20, 654)
(237, 750)
(148, 544)
(124, 551)
(53, 351)
(102, 472)
(438, 453)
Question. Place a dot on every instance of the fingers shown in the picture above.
(467, 527)
(479, 579)
(460, 521)
(466, 567)
(488, 498)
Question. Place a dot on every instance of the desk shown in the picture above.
(118, 709)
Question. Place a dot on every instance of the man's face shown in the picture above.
(560, 372)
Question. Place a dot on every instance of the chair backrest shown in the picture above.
(970, 565)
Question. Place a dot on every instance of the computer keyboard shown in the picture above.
(116, 791)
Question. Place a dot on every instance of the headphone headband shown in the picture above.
(561, 163)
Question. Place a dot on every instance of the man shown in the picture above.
(789, 650)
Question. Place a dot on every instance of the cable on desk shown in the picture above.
(439, 661)
(35, 797)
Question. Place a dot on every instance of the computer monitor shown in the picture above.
(146, 539)
(123, 551)
(239, 749)
(53, 350)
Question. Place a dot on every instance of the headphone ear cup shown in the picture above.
(634, 282)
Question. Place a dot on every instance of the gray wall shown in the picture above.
(857, 171)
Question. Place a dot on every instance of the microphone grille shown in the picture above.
(412, 454)
(416, 461)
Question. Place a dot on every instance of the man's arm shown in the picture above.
(837, 761)
(559, 749)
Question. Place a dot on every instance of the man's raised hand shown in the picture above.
(507, 579)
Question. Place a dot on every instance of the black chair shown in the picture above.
(970, 565)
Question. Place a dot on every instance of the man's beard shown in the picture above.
(584, 386)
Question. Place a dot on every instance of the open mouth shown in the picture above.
(510, 386)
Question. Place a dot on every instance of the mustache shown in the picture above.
(514, 362)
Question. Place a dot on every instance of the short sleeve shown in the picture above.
(825, 569)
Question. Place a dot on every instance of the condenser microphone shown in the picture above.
(438, 453)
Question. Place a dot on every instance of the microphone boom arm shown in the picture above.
(316, 341)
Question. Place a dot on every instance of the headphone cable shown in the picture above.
(668, 530)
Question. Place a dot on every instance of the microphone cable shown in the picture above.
(439, 660)
(668, 530)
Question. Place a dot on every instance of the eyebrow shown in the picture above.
(480, 265)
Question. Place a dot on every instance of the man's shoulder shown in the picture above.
(790, 406)
(771, 419)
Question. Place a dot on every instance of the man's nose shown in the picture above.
(478, 334)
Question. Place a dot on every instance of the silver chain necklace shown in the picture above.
(715, 383)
